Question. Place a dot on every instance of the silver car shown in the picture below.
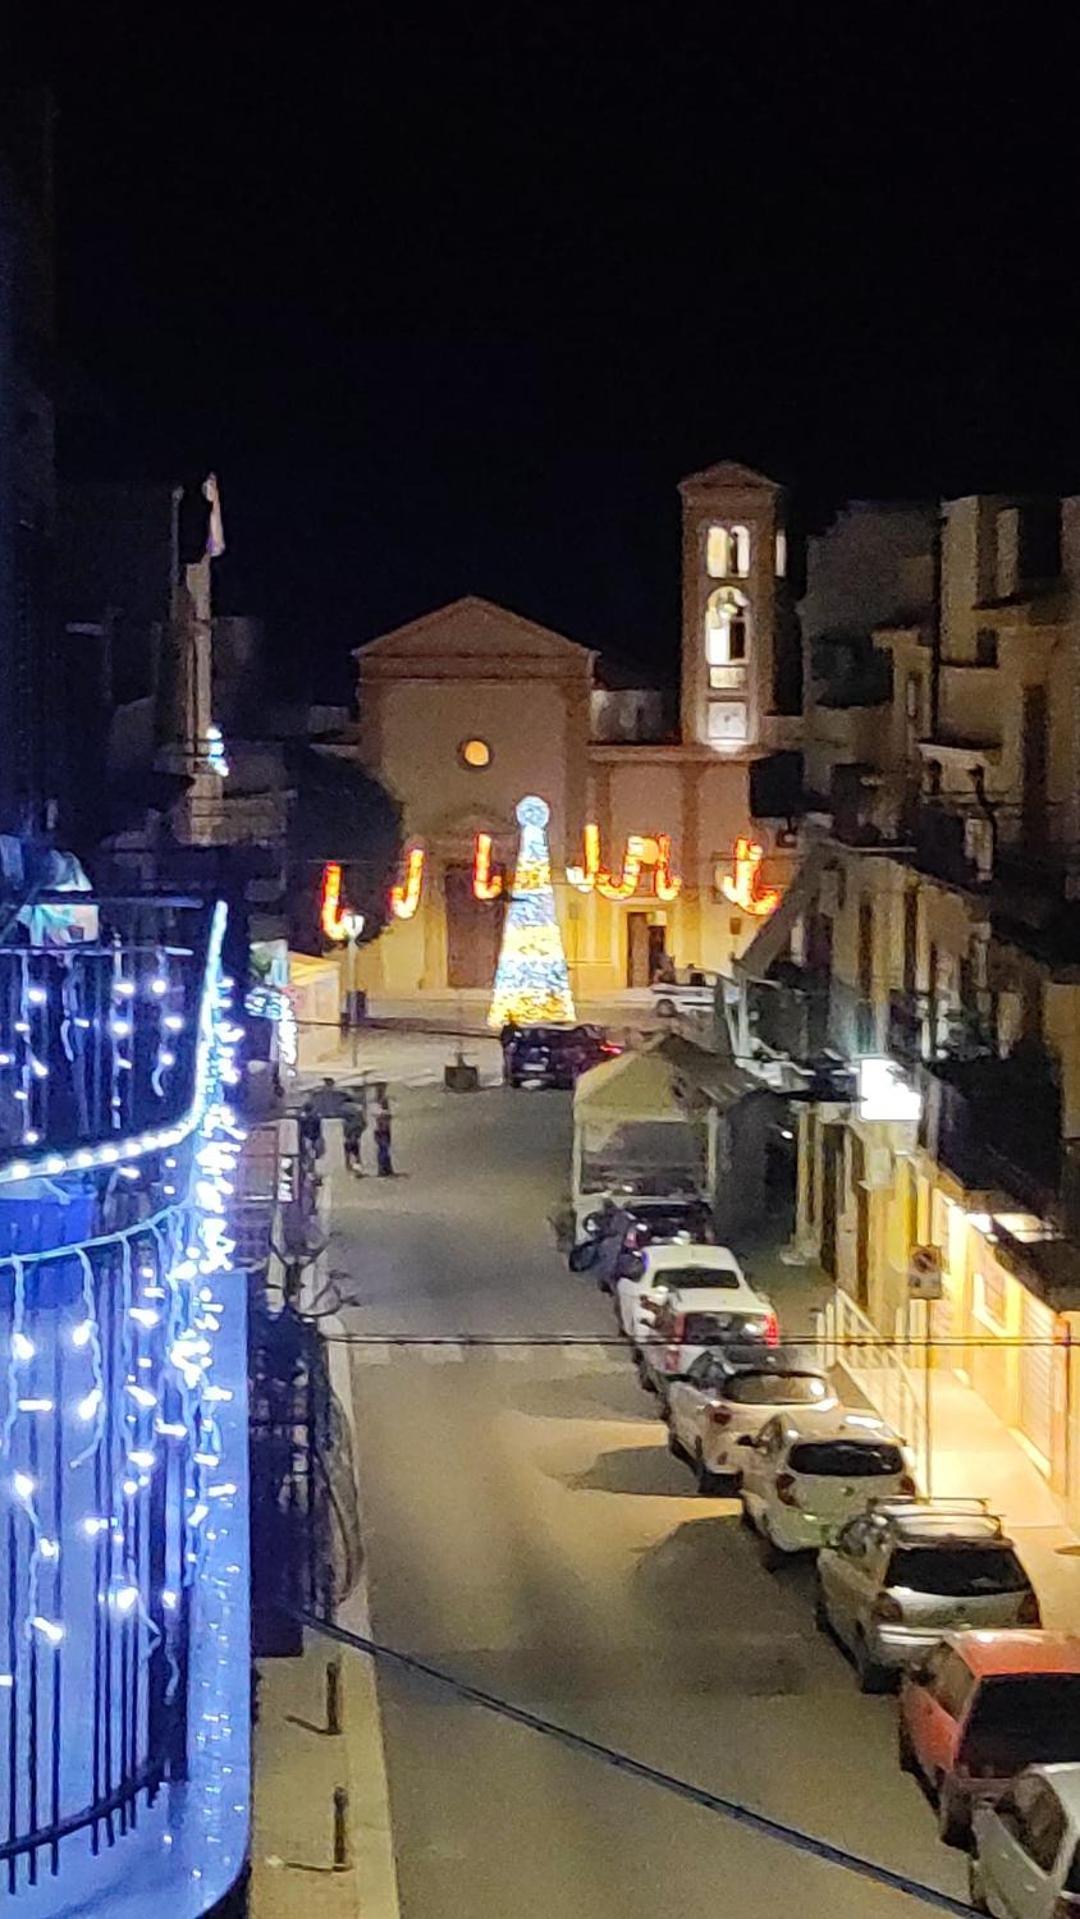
(904, 1572)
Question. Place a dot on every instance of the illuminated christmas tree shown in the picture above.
(532, 984)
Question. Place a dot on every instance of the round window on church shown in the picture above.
(474, 753)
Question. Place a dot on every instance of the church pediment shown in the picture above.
(471, 630)
(728, 474)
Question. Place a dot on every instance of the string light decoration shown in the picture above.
(337, 922)
(486, 884)
(668, 884)
(642, 850)
(744, 886)
(532, 983)
(583, 877)
(113, 1457)
(405, 897)
(276, 1003)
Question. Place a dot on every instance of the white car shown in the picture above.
(804, 1476)
(696, 1319)
(660, 1270)
(695, 993)
(1025, 1862)
(734, 1391)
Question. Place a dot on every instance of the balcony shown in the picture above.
(996, 1123)
(124, 1640)
(789, 1010)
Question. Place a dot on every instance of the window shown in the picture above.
(957, 1572)
(986, 646)
(474, 753)
(846, 1459)
(681, 1279)
(989, 1302)
(727, 552)
(777, 1389)
(726, 625)
(1024, 1721)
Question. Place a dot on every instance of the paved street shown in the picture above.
(527, 1530)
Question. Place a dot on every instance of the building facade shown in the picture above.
(465, 711)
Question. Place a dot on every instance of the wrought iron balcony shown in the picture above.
(124, 1646)
(995, 1123)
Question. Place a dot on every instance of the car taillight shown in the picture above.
(772, 1330)
(720, 1415)
(1029, 1614)
(887, 1609)
(908, 1486)
(606, 1047)
(785, 1488)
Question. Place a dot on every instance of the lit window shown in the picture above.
(725, 627)
(727, 552)
(474, 753)
(781, 555)
(727, 722)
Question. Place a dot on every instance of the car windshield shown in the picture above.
(776, 1389)
(691, 1221)
(680, 1279)
(1025, 1719)
(957, 1572)
(846, 1459)
(718, 1329)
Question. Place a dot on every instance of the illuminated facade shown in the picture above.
(470, 708)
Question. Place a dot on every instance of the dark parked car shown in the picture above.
(555, 1055)
(627, 1229)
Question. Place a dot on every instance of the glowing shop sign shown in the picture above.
(405, 897)
(744, 887)
(642, 850)
(884, 1093)
(486, 884)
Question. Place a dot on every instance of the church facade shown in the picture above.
(659, 858)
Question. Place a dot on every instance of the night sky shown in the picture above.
(452, 302)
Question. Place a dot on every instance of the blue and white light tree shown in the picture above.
(532, 984)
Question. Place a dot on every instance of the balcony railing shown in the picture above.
(124, 1646)
(995, 1123)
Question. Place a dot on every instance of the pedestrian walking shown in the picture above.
(384, 1164)
(353, 1128)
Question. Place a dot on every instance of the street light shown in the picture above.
(353, 925)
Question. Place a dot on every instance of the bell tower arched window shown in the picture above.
(726, 627)
(727, 552)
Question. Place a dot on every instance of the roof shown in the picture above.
(671, 1079)
(729, 473)
(1010, 1651)
(718, 1257)
(467, 627)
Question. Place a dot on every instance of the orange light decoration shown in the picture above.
(668, 884)
(486, 885)
(584, 876)
(331, 917)
(627, 884)
(405, 898)
(743, 887)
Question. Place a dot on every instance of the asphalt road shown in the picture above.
(527, 1530)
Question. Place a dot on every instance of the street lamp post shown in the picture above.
(353, 926)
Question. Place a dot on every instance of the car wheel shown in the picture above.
(954, 1821)
(976, 1895)
(873, 1677)
(708, 1484)
(772, 1558)
(905, 1751)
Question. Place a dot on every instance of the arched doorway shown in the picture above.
(473, 931)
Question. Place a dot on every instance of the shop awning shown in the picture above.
(670, 1080)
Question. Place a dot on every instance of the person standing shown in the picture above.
(384, 1164)
(353, 1127)
(510, 1033)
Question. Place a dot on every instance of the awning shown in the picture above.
(670, 1080)
(769, 942)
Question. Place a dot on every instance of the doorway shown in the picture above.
(645, 949)
(473, 931)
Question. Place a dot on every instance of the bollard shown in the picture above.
(341, 1829)
(333, 1696)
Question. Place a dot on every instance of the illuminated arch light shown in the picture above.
(405, 897)
(642, 850)
(668, 884)
(743, 886)
(486, 884)
(337, 922)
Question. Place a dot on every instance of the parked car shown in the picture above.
(805, 1474)
(893, 1580)
(733, 1391)
(618, 1185)
(695, 1318)
(555, 1055)
(1026, 1858)
(983, 1706)
(657, 1271)
(635, 1225)
(695, 992)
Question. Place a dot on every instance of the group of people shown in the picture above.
(357, 1110)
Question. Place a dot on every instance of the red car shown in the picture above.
(983, 1706)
